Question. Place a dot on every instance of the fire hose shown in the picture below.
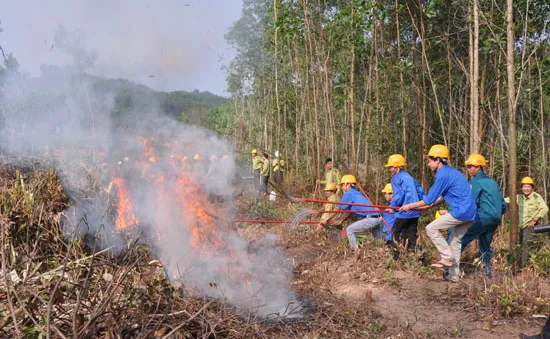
(346, 203)
(307, 222)
(541, 229)
(259, 221)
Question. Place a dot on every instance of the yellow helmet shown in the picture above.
(528, 181)
(196, 157)
(476, 160)
(330, 186)
(439, 151)
(254, 151)
(396, 160)
(387, 189)
(348, 179)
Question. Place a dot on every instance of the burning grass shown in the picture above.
(57, 287)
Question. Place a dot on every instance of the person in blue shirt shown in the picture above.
(367, 221)
(449, 186)
(388, 218)
(406, 190)
(490, 207)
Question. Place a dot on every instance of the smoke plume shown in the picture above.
(142, 171)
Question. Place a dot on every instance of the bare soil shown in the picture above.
(406, 304)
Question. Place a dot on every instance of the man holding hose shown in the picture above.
(406, 190)
(450, 186)
(367, 221)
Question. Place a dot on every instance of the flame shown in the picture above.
(125, 216)
(177, 189)
(184, 218)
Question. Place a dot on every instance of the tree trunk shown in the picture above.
(512, 150)
(474, 81)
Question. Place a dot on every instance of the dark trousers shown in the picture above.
(278, 177)
(407, 229)
(257, 181)
(526, 237)
(484, 232)
(265, 181)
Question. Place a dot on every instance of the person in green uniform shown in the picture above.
(332, 175)
(257, 163)
(532, 209)
(278, 166)
(265, 173)
(330, 194)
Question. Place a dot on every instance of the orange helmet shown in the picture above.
(330, 186)
(439, 151)
(476, 160)
(396, 160)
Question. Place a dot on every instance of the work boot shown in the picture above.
(447, 276)
(450, 278)
(487, 270)
(392, 249)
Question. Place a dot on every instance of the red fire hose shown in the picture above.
(259, 221)
(345, 203)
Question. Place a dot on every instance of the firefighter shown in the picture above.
(532, 209)
(367, 221)
(330, 194)
(332, 174)
(406, 190)
(388, 218)
(490, 208)
(449, 186)
(265, 173)
(278, 166)
(256, 169)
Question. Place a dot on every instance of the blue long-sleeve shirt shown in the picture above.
(390, 220)
(455, 190)
(355, 197)
(406, 190)
(488, 198)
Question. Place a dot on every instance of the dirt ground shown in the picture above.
(408, 304)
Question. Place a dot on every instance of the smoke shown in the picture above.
(178, 179)
(169, 45)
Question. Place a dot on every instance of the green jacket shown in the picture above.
(257, 162)
(278, 165)
(265, 168)
(330, 207)
(333, 175)
(531, 207)
(488, 198)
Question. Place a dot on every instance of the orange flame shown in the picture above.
(177, 190)
(125, 217)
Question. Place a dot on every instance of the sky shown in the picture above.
(167, 45)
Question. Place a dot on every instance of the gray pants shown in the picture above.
(452, 250)
(374, 224)
(526, 237)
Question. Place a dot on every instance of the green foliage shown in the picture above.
(195, 105)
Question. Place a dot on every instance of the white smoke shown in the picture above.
(63, 118)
